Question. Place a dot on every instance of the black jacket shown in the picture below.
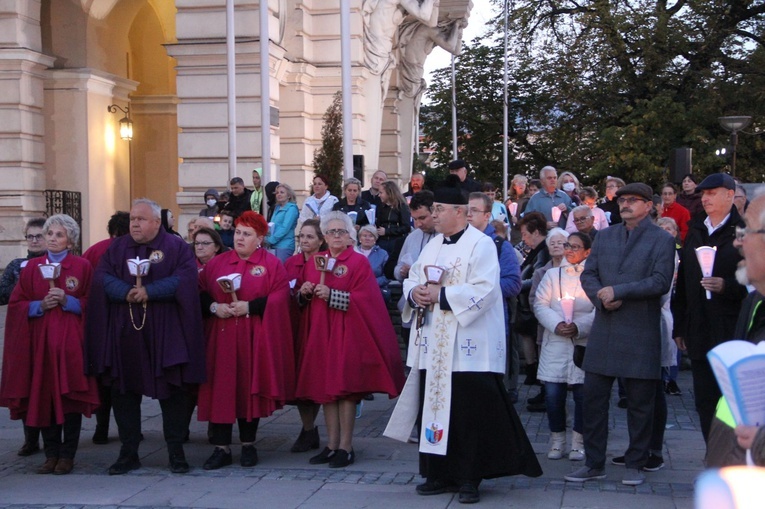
(238, 204)
(704, 323)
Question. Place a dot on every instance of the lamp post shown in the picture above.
(733, 125)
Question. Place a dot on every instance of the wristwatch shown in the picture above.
(213, 307)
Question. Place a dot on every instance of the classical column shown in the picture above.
(22, 156)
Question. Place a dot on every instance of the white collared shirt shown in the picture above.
(711, 229)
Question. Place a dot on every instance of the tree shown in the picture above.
(328, 159)
(610, 87)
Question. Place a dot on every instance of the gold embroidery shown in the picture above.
(439, 368)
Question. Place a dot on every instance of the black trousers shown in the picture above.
(641, 396)
(105, 408)
(57, 447)
(221, 433)
(706, 393)
(127, 413)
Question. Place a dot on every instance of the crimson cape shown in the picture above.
(345, 354)
(168, 351)
(250, 360)
(43, 375)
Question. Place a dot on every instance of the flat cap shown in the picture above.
(716, 180)
(637, 189)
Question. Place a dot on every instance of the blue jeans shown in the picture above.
(555, 400)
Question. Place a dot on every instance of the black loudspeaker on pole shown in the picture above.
(358, 168)
(680, 164)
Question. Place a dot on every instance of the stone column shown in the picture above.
(22, 156)
(83, 149)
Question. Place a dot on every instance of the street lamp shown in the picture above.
(733, 125)
(126, 125)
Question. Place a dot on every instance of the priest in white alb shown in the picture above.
(469, 429)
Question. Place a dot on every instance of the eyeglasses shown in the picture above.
(204, 243)
(34, 238)
(743, 232)
(336, 233)
(473, 210)
(629, 200)
(572, 247)
(439, 209)
(581, 219)
(612, 186)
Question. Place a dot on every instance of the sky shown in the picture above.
(480, 15)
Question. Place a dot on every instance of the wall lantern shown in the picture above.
(126, 125)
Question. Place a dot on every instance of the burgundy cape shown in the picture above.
(250, 360)
(94, 253)
(168, 351)
(43, 374)
(295, 266)
(346, 354)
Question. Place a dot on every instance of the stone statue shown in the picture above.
(415, 42)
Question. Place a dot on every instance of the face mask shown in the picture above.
(569, 186)
(211, 203)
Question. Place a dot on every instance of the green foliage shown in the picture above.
(328, 159)
(608, 88)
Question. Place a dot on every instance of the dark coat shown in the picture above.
(626, 342)
(238, 204)
(704, 323)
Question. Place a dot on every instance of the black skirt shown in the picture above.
(486, 438)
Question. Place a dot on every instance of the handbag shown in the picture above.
(579, 351)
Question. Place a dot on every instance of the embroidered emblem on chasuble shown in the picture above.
(72, 283)
(258, 270)
(156, 256)
(340, 271)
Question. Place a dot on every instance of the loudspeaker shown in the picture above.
(680, 163)
(358, 168)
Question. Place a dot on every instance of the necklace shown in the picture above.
(132, 320)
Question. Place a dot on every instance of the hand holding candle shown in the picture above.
(706, 258)
(567, 305)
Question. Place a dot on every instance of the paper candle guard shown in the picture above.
(50, 272)
(433, 274)
(324, 264)
(706, 257)
(555, 211)
(138, 268)
(230, 284)
(567, 305)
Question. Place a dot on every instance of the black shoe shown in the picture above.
(342, 458)
(513, 395)
(178, 463)
(654, 463)
(369, 397)
(672, 389)
(618, 460)
(539, 398)
(218, 459)
(124, 464)
(101, 436)
(323, 457)
(436, 487)
(622, 403)
(29, 448)
(537, 407)
(249, 456)
(306, 441)
(469, 493)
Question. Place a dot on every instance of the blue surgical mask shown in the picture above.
(569, 186)
(211, 202)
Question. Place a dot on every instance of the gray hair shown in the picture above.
(290, 192)
(668, 220)
(582, 208)
(350, 182)
(67, 223)
(546, 169)
(336, 215)
(555, 231)
(156, 210)
(369, 228)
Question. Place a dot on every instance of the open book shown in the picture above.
(739, 367)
